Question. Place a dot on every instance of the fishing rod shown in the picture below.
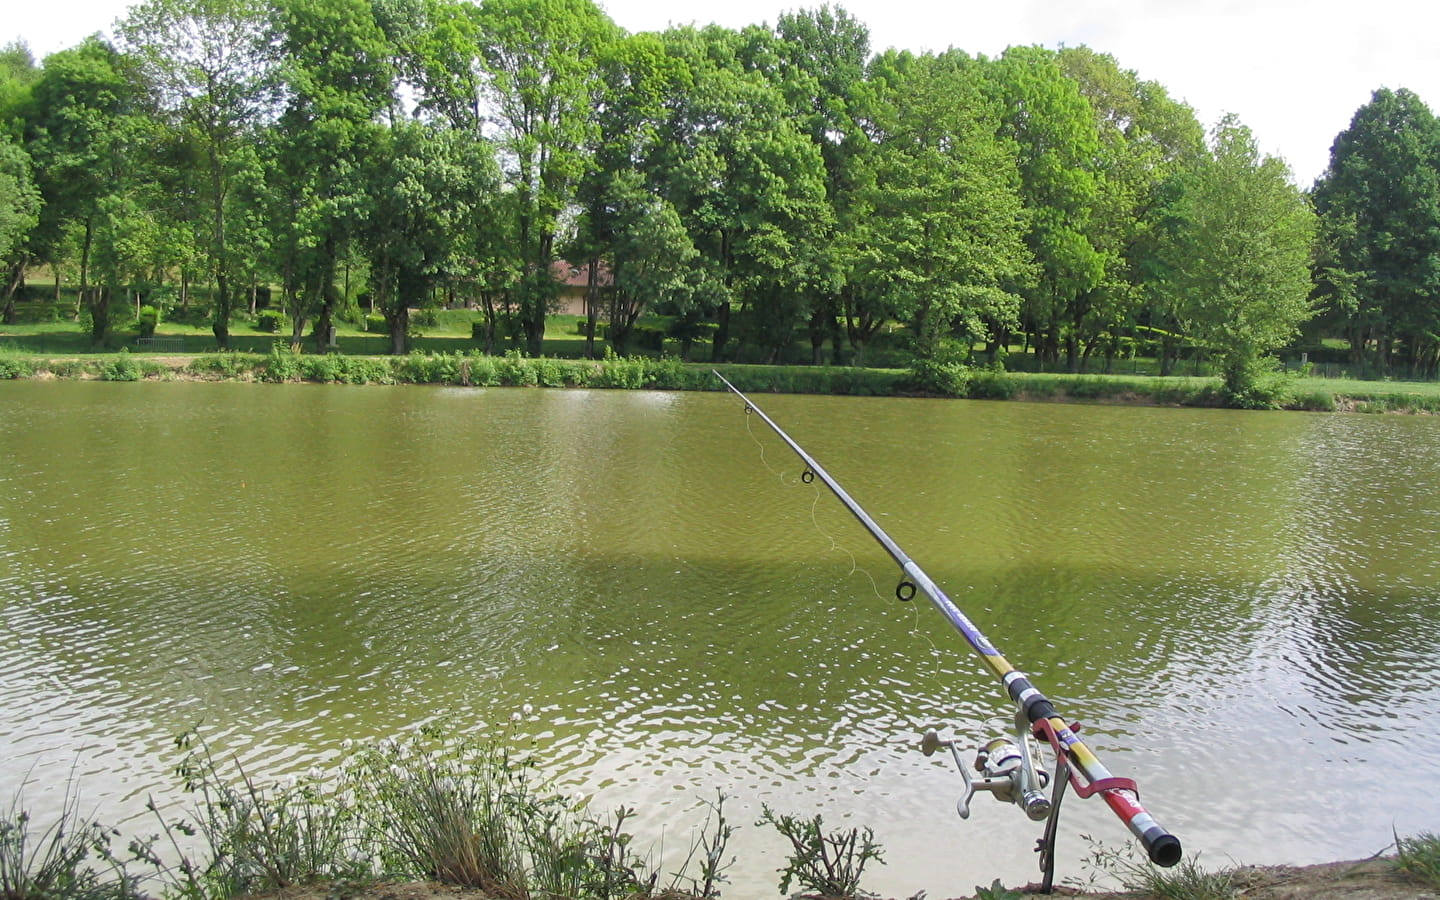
(1007, 769)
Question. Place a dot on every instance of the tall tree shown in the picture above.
(539, 57)
(210, 66)
(19, 214)
(1379, 202)
(1236, 258)
(422, 185)
(1145, 137)
(19, 194)
(938, 241)
(1054, 128)
(748, 185)
(338, 71)
(823, 53)
(90, 135)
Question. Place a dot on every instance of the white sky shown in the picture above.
(1294, 71)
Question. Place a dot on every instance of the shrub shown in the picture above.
(270, 321)
(993, 384)
(652, 339)
(934, 376)
(480, 370)
(514, 370)
(620, 371)
(827, 865)
(283, 364)
(367, 370)
(147, 320)
(422, 368)
(551, 372)
(256, 838)
(15, 367)
(225, 365)
(376, 325)
(1420, 856)
(325, 368)
(121, 368)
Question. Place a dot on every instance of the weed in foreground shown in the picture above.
(253, 836)
(1420, 856)
(996, 891)
(1186, 881)
(824, 865)
(709, 849)
(56, 862)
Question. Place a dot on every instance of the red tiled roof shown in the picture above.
(572, 275)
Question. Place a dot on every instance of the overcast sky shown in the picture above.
(1294, 71)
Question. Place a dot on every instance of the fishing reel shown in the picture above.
(1006, 768)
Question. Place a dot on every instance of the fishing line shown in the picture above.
(1035, 715)
(936, 669)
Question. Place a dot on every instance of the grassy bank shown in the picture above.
(472, 368)
(473, 818)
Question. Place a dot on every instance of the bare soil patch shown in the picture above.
(1369, 879)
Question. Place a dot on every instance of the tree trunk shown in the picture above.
(722, 332)
(99, 305)
(592, 306)
(14, 284)
(398, 320)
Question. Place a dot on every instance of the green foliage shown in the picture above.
(146, 322)
(122, 367)
(1379, 205)
(423, 368)
(429, 805)
(996, 891)
(826, 864)
(255, 837)
(940, 377)
(1186, 881)
(1236, 256)
(1419, 856)
(12, 366)
(53, 864)
(332, 367)
(223, 365)
(990, 384)
(271, 321)
(283, 364)
(620, 372)
(514, 370)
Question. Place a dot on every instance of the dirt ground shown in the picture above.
(1371, 879)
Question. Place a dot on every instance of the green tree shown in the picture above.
(1236, 258)
(338, 69)
(422, 185)
(1379, 204)
(19, 214)
(210, 67)
(652, 258)
(1145, 137)
(1054, 128)
(19, 194)
(540, 59)
(90, 134)
(823, 54)
(938, 237)
(748, 185)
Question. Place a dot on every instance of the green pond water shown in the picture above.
(1242, 608)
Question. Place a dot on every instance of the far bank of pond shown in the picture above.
(645, 373)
